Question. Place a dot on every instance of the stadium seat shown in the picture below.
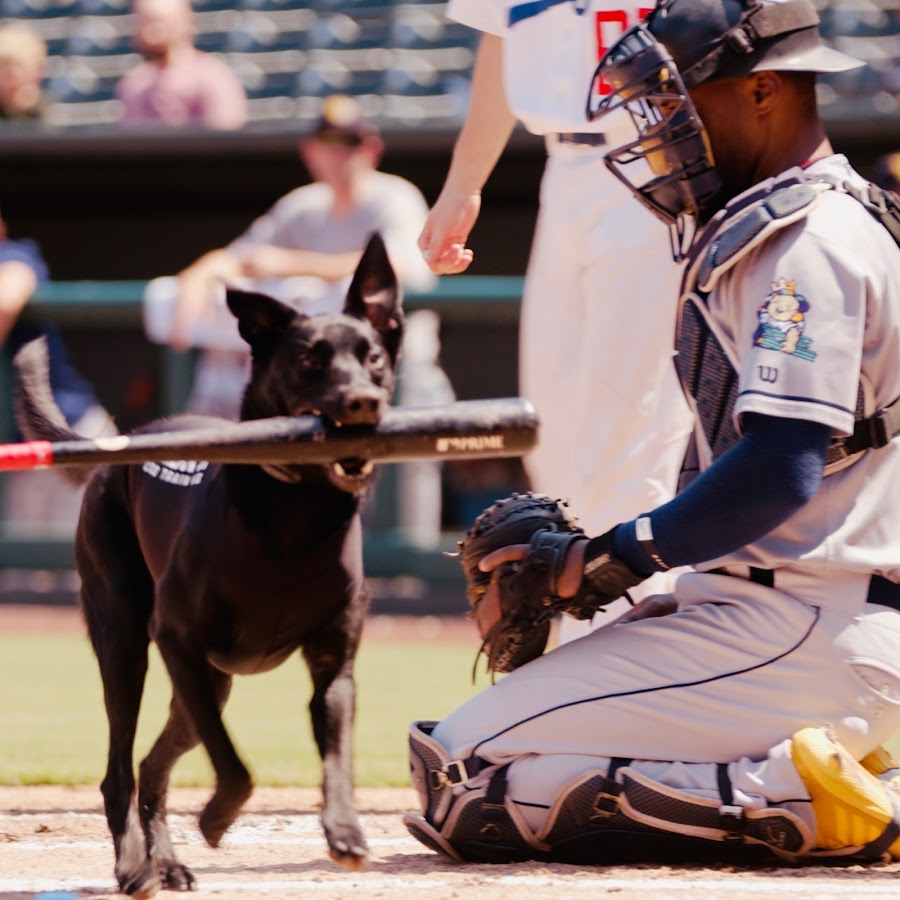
(81, 84)
(99, 35)
(36, 9)
(258, 31)
(277, 6)
(102, 7)
(363, 27)
(349, 6)
(421, 26)
(323, 79)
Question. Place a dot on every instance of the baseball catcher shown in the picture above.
(750, 715)
(514, 604)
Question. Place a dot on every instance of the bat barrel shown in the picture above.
(467, 429)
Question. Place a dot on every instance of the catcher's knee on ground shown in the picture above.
(599, 817)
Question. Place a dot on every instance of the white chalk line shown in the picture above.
(716, 887)
(287, 830)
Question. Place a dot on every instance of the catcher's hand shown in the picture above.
(514, 625)
(527, 578)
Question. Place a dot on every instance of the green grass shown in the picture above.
(53, 727)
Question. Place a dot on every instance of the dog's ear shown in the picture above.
(374, 295)
(262, 320)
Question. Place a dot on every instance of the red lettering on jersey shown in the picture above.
(616, 22)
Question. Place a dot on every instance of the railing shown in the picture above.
(406, 570)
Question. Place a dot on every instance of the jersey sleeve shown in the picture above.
(800, 320)
(271, 225)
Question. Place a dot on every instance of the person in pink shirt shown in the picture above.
(177, 84)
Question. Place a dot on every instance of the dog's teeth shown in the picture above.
(368, 465)
(341, 471)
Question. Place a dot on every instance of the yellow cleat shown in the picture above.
(884, 767)
(853, 808)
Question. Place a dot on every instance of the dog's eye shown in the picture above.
(376, 357)
(316, 358)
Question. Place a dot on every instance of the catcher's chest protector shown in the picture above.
(705, 367)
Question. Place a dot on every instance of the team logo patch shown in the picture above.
(180, 472)
(782, 321)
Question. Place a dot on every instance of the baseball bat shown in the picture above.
(465, 429)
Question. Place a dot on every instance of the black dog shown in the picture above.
(231, 568)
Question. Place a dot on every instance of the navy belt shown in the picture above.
(587, 138)
(882, 590)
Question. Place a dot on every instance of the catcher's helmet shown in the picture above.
(681, 44)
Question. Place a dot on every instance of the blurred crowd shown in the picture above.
(340, 67)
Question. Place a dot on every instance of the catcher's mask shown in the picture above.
(651, 68)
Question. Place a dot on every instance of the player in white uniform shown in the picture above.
(775, 666)
(598, 306)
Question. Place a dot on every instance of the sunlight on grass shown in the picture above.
(53, 726)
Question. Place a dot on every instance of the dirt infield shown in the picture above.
(54, 839)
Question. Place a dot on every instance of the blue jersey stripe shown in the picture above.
(812, 400)
(530, 10)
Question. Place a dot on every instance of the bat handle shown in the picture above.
(27, 455)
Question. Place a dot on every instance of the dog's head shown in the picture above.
(336, 365)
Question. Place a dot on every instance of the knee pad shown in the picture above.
(476, 824)
(598, 819)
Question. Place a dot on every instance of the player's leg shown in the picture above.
(551, 333)
(806, 800)
(719, 682)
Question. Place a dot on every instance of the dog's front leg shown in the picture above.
(332, 709)
(194, 681)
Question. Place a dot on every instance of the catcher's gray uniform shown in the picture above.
(743, 665)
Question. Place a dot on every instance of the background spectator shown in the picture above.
(23, 55)
(42, 502)
(178, 84)
(302, 251)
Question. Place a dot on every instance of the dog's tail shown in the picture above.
(36, 412)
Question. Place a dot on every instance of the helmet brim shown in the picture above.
(811, 59)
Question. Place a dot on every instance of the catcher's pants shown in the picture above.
(736, 671)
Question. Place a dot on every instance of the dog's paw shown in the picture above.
(346, 845)
(177, 877)
(143, 883)
(223, 808)
(355, 859)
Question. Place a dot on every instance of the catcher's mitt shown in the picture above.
(518, 631)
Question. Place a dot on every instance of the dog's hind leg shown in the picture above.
(330, 658)
(177, 737)
(196, 685)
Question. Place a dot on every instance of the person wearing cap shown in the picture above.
(302, 251)
(770, 677)
(177, 84)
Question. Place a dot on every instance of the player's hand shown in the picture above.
(446, 230)
(569, 578)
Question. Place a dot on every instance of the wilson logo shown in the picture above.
(768, 374)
